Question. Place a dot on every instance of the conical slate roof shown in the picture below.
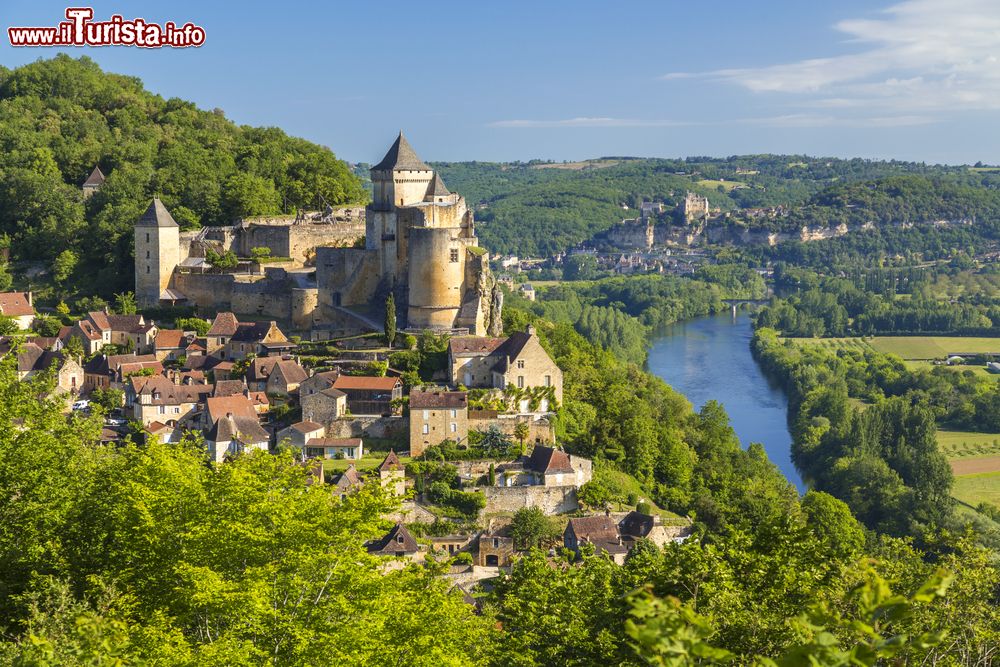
(437, 188)
(401, 156)
(96, 177)
(156, 215)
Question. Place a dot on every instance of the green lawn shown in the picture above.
(964, 444)
(957, 368)
(975, 489)
(370, 460)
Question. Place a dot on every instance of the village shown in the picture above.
(454, 419)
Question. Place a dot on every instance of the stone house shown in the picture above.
(435, 416)
(235, 434)
(452, 544)
(33, 360)
(104, 371)
(19, 307)
(259, 338)
(599, 531)
(170, 344)
(347, 482)
(299, 433)
(236, 405)
(156, 398)
(397, 542)
(323, 406)
(93, 183)
(547, 466)
(519, 361)
(369, 395)
(494, 550)
(128, 332)
(285, 377)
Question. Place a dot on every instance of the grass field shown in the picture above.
(934, 347)
(729, 186)
(370, 460)
(975, 489)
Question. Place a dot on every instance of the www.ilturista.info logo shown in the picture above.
(80, 30)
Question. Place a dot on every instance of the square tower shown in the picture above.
(157, 252)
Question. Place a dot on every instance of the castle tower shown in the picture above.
(157, 252)
(399, 179)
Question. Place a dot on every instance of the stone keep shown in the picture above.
(421, 245)
(157, 253)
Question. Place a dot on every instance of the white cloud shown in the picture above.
(918, 55)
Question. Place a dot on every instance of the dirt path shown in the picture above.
(973, 466)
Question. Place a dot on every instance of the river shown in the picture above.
(709, 358)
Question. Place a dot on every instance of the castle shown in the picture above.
(416, 240)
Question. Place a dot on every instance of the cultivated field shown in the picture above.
(975, 489)
(728, 186)
(965, 444)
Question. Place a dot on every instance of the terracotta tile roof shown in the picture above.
(261, 368)
(237, 406)
(127, 323)
(100, 320)
(15, 304)
(306, 426)
(170, 338)
(229, 388)
(547, 460)
(423, 398)
(137, 366)
(164, 392)
(473, 345)
(334, 442)
(225, 324)
(290, 371)
(364, 382)
(594, 529)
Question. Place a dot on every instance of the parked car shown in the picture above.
(82, 404)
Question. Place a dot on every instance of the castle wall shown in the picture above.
(298, 241)
(346, 276)
(210, 291)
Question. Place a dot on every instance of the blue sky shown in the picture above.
(915, 80)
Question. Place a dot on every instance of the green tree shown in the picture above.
(195, 324)
(389, 325)
(64, 265)
(531, 528)
(521, 432)
(125, 303)
(8, 325)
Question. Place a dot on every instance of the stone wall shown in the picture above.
(550, 499)
(346, 276)
(391, 428)
(541, 430)
(299, 241)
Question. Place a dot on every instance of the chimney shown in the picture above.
(30, 300)
(530, 330)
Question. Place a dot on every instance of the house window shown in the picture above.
(147, 268)
(548, 380)
(147, 237)
(453, 255)
(520, 382)
(454, 414)
(427, 429)
(496, 542)
(520, 363)
(147, 254)
(159, 410)
(454, 427)
(427, 414)
(399, 539)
